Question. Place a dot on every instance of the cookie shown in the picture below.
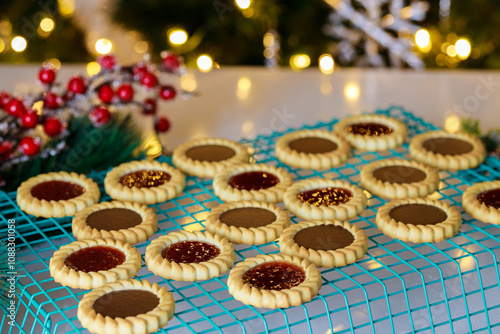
(482, 201)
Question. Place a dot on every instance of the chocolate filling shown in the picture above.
(210, 153)
(145, 179)
(190, 252)
(369, 129)
(324, 237)
(126, 303)
(490, 198)
(253, 180)
(95, 258)
(248, 217)
(56, 190)
(325, 196)
(113, 219)
(399, 174)
(312, 145)
(418, 214)
(276, 275)
(449, 146)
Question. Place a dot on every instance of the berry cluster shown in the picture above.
(30, 123)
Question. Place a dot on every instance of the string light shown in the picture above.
(2, 45)
(326, 63)
(19, 44)
(423, 40)
(243, 90)
(141, 47)
(93, 68)
(66, 7)
(351, 91)
(103, 46)
(205, 63)
(463, 48)
(177, 36)
(243, 4)
(451, 51)
(47, 24)
(300, 61)
(188, 82)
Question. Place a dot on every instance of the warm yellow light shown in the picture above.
(188, 82)
(463, 48)
(47, 24)
(93, 68)
(54, 62)
(326, 63)
(300, 61)
(244, 85)
(268, 39)
(141, 47)
(451, 51)
(5, 27)
(423, 40)
(452, 123)
(243, 4)
(205, 63)
(2, 45)
(66, 7)
(103, 46)
(177, 36)
(351, 91)
(19, 44)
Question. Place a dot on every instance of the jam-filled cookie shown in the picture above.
(208, 156)
(248, 222)
(57, 194)
(482, 201)
(274, 281)
(372, 132)
(252, 182)
(325, 243)
(318, 198)
(399, 178)
(126, 306)
(445, 150)
(418, 220)
(126, 221)
(312, 149)
(87, 264)
(189, 256)
(147, 182)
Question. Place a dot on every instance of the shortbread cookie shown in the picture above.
(312, 149)
(274, 281)
(189, 256)
(248, 222)
(87, 264)
(125, 221)
(445, 150)
(418, 220)
(147, 182)
(126, 306)
(252, 182)
(318, 198)
(372, 132)
(399, 178)
(326, 243)
(482, 201)
(57, 194)
(208, 156)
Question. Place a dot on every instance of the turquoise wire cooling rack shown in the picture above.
(447, 287)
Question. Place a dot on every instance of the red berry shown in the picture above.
(149, 107)
(107, 61)
(15, 107)
(52, 127)
(162, 125)
(139, 70)
(4, 99)
(47, 75)
(100, 116)
(171, 62)
(125, 92)
(29, 145)
(106, 94)
(52, 100)
(5, 146)
(76, 85)
(167, 92)
(29, 119)
(149, 80)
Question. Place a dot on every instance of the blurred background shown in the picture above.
(273, 33)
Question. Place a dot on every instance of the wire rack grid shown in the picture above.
(447, 287)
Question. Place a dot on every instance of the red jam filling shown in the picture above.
(276, 275)
(369, 129)
(490, 198)
(253, 180)
(325, 196)
(95, 258)
(190, 252)
(57, 190)
(145, 179)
